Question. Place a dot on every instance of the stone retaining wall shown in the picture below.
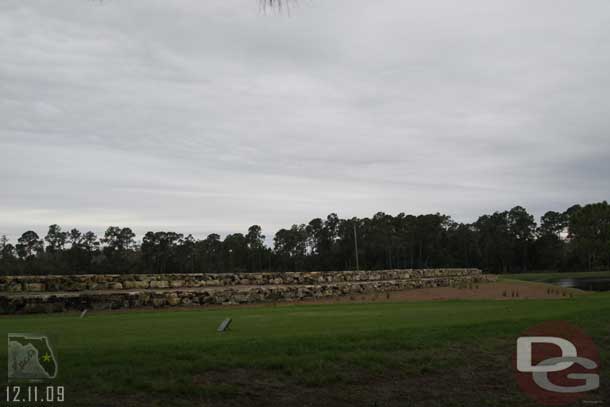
(95, 282)
(29, 294)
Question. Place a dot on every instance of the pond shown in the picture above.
(588, 284)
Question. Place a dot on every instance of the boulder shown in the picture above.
(159, 284)
(35, 287)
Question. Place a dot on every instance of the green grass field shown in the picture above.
(452, 353)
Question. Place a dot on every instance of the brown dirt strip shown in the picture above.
(502, 290)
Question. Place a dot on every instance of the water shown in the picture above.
(588, 284)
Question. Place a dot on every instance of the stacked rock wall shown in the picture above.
(29, 294)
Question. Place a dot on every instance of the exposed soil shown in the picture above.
(486, 291)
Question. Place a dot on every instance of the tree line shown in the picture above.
(502, 242)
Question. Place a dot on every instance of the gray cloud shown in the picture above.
(210, 116)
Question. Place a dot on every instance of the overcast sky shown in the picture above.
(209, 116)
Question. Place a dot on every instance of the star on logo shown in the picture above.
(46, 357)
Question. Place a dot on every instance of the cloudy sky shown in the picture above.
(209, 116)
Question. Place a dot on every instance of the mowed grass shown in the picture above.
(427, 353)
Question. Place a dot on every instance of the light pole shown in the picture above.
(356, 247)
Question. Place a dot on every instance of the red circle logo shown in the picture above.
(556, 363)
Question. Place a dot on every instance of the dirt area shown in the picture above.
(514, 290)
(487, 291)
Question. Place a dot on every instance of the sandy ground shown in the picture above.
(504, 290)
